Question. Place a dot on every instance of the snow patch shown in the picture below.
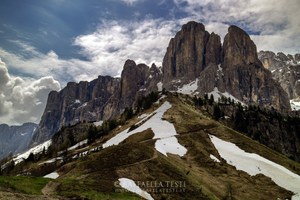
(295, 105)
(98, 123)
(214, 158)
(170, 145)
(217, 95)
(51, 160)
(35, 150)
(143, 116)
(131, 186)
(189, 88)
(159, 86)
(77, 101)
(162, 129)
(255, 164)
(53, 175)
(78, 144)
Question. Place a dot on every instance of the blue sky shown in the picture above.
(46, 43)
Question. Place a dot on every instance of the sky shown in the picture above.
(45, 44)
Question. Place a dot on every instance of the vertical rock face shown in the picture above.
(238, 48)
(15, 139)
(75, 103)
(213, 50)
(132, 79)
(185, 56)
(100, 99)
(235, 67)
(245, 76)
(285, 70)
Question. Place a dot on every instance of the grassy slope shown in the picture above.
(95, 176)
(136, 158)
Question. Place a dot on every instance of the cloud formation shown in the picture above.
(23, 100)
(116, 41)
(273, 25)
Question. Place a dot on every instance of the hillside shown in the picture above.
(172, 150)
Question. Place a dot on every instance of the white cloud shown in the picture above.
(23, 100)
(116, 41)
(130, 2)
(37, 64)
(273, 25)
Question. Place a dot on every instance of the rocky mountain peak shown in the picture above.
(132, 79)
(194, 54)
(238, 48)
(285, 70)
(100, 99)
(184, 58)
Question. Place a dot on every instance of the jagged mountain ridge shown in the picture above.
(192, 54)
(15, 139)
(285, 69)
(233, 67)
(100, 99)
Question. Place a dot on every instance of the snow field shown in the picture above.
(53, 175)
(35, 150)
(163, 130)
(255, 164)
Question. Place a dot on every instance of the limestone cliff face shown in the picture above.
(100, 99)
(77, 102)
(233, 67)
(285, 70)
(244, 75)
(238, 48)
(185, 56)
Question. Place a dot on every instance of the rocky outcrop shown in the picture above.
(15, 139)
(100, 99)
(285, 70)
(233, 67)
(244, 75)
(238, 48)
(185, 56)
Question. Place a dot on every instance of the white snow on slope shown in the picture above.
(217, 95)
(52, 160)
(295, 105)
(214, 158)
(170, 145)
(143, 116)
(255, 164)
(189, 88)
(162, 129)
(130, 185)
(35, 150)
(159, 86)
(78, 144)
(53, 175)
(98, 123)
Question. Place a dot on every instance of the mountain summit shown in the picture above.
(234, 67)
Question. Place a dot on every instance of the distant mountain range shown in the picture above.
(285, 69)
(15, 139)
